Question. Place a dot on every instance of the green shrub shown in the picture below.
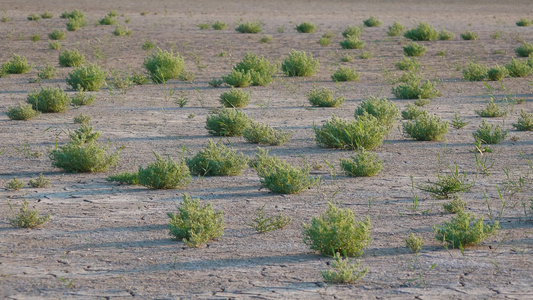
(27, 218)
(49, 100)
(47, 15)
(73, 14)
(413, 90)
(457, 122)
(238, 78)
(345, 74)
(22, 112)
(306, 27)
(324, 98)
(260, 133)
(108, 20)
(75, 157)
(215, 82)
(163, 65)
(48, 72)
(347, 58)
(414, 49)
(426, 127)
(82, 119)
(219, 25)
(14, 184)
(424, 32)
(525, 50)
(489, 133)
(492, 110)
(39, 182)
(139, 78)
(445, 35)
(497, 73)
(89, 78)
(16, 65)
(324, 41)
(71, 58)
(414, 243)
(365, 132)
(362, 164)
(372, 22)
(525, 122)
(227, 122)
(84, 135)
(121, 30)
(148, 45)
(282, 178)
(261, 223)
(250, 27)
(337, 230)
(81, 98)
(523, 22)
(235, 98)
(266, 39)
(34, 17)
(455, 206)
(300, 64)
(447, 185)
(54, 45)
(113, 13)
(343, 271)
(407, 64)
(352, 31)
(469, 35)
(164, 174)
(465, 229)
(475, 72)
(519, 68)
(384, 110)
(35, 37)
(252, 70)
(217, 160)
(75, 24)
(125, 177)
(412, 112)
(195, 224)
(352, 42)
(396, 29)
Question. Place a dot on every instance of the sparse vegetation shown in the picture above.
(71, 58)
(352, 42)
(250, 27)
(54, 45)
(108, 20)
(217, 160)
(227, 122)
(300, 64)
(324, 98)
(262, 223)
(489, 133)
(27, 218)
(525, 50)
(82, 98)
(40, 182)
(164, 174)
(345, 74)
(519, 68)
(445, 35)
(523, 22)
(352, 31)
(475, 72)
(412, 89)
(456, 205)
(89, 78)
(525, 121)
(426, 127)
(372, 22)
(497, 73)
(131, 178)
(381, 108)
(396, 29)
(412, 112)
(14, 184)
(492, 110)
(252, 70)
(121, 30)
(266, 39)
(163, 65)
(414, 243)
(49, 100)
(343, 270)
(34, 17)
(260, 133)
(414, 49)
(47, 72)
(447, 185)
(16, 65)
(362, 164)
(407, 64)
(306, 27)
(22, 112)
(465, 229)
(469, 35)
(424, 32)
(219, 25)
(235, 98)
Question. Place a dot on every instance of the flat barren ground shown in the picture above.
(106, 240)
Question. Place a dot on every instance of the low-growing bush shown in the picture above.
(306, 27)
(163, 65)
(365, 55)
(489, 133)
(362, 164)
(82, 119)
(324, 41)
(235, 98)
(492, 110)
(447, 185)
(497, 73)
(250, 27)
(47, 15)
(524, 122)
(519, 68)
(412, 112)
(525, 50)
(347, 58)
(262, 223)
(75, 24)
(469, 35)
(238, 78)
(445, 35)
(396, 29)
(423, 32)
(324, 98)
(337, 230)
(407, 64)
(426, 127)
(372, 22)
(227, 122)
(16, 65)
(73, 14)
(47, 72)
(125, 178)
(34, 17)
(266, 39)
(84, 135)
(81, 98)
(523, 22)
(217, 160)
(71, 58)
(77, 157)
(14, 184)
(455, 206)
(203, 26)
(414, 49)
(300, 64)
(89, 78)
(343, 271)
(345, 74)
(35, 37)
(27, 218)
(49, 100)
(121, 30)
(164, 174)
(22, 112)
(282, 178)
(465, 229)
(40, 182)
(108, 20)
(365, 132)
(57, 35)
(54, 45)
(475, 72)
(195, 224)
(352, 31)
(413, 90)
(381, 108)
(352, 42)
(414, 243)
(252, 70)
(260, 133)
(219, 25)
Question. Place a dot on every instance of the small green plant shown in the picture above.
(365, 132)
(36, 37)
(113, 13)
(525, 121)
(235, 98)
(219, 25)
(475, 72)
(347, 58)
(266, 39)
(164, 174)
(260, 133)
(73, 14)
(337, 230)
(442, 53)
(352, 31)
(75, 157)
(455, 206)
(414, 243)
(365, 55)
(469, 35)
(497, 34)
(306, 27)
(84, 135)
(108, 20)
(71, 58)
(465, 229)
(227, 122)
(262, 223)
(407, 64)
(48, 72)
(343, 270)
(282, 178)
(131, 178)
(27, 218)
(163, 65)
(148, 45)
(525, 50)
(324, 98)
(47, 15)
(519, 68)
(362, 164)
(54, 45)
(447, 185)
(426, 127)
(250, 27)
(82, 98)
(412, 89)
(445, 35)
(280, 29)
(489, 133)
(217, 160)
(75, 24)
(324, 41)
(139, 78)
(423, 32)
(121, 30)
(352, 42)
(414, 49)
(396, 29)
(238, 78)
(345, 74)
(492, 110)
(82, 119)
(89, 78)
(195, 224)
(204, 26)
(372, 22)
(497, 73)
(22, 112)
(39, 182)
(49, 100)
(457, 122)
(34, 17)
(300, 64)
(252, 70)
(381, 108)
(523, 22)
(16, 65)
(412, 112)
(215, 82)
(14, 184)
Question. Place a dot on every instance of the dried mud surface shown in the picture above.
(111, 241)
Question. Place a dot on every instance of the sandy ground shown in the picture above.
(111, 241)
